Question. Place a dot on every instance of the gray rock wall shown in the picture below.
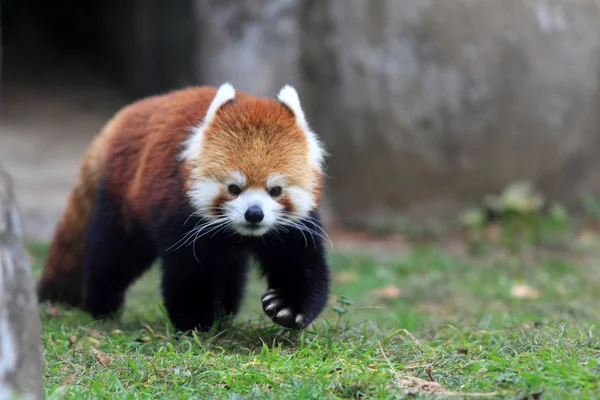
(428, 105)
(254, 44)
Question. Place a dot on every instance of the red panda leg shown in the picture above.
(297, 274)
(203, 289)
(114, 257)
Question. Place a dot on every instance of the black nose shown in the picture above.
(254, 214)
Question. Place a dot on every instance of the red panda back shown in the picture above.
(134, 153)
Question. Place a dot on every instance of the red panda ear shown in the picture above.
(193, 144)
(288, 96)
(225, 93)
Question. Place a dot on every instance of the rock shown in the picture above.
(20, 342)
(254, 44)
(426, 106)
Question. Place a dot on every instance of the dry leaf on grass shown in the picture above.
(149, 329)
(387, 292)
(101, 356)
(523, 291)
(53, 311)
(93, 332)
(91, 342)
(416, 386)
(494, 233)
(68, 379)
(346, 276)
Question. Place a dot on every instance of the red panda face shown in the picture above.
(254, 164)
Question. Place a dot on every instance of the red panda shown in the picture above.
(204, 179)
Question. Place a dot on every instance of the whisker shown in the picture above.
(189, 236)
(314, 222)
(301, 227)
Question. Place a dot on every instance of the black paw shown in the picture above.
(274, 306)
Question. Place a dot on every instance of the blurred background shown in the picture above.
(426, 106)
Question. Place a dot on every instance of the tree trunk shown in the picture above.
(20, 344)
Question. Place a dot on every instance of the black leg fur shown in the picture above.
(297, 274)
(202, 289)
(203, 283)
(114, 257)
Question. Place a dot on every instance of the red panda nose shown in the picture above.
(254, 214)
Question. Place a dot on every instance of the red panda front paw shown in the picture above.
(276, 308)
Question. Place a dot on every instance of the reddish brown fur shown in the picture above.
(277, 136)
(137, 153)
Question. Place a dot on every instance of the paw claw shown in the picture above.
(300, 320)
(276, 308)
(268, 297)
(272, 305)
(285, 313)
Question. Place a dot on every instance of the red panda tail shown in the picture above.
(62, 275)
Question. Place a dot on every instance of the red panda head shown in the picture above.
(255, 165)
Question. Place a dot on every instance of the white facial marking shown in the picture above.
(236, 209)
(193, 144)
(288, 96)
(302, 200)
(236, 178)
(203, 194)
(276, 180)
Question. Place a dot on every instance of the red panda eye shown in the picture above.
(234, 190)
(275, 191)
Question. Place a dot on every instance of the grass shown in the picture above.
(425, 321)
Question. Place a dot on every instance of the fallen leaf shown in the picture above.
(494, 233)
(68, 379)
(415, 386)
(101, 356)
(149, 329)
(588, 238)
(430, 374)
(388, 292)
(528, 325)
(53, 311)
(91, 341)
(93, 332)
(462, 351)
(346, 276)
(522, 291)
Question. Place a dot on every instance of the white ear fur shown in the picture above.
(193, 144)
(289, 96)
(225, 93)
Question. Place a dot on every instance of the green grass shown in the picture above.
(453, 319)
